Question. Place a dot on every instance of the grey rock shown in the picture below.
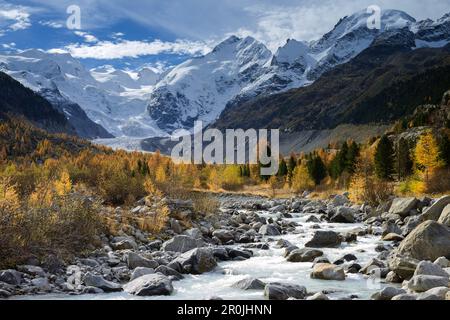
(387, 293)
(150, 285)
(445, 216)
(134, 260)
(10, 276)
(431, 269)
(223, 235)
(371, 265)
(340, 200)
(32, 270)
(324, 239)
(434, 212)
(196, 261)
(402, 206)
(403, 266)
(194, 233)
(124, 243)
(42, 284)
(89, 262)
(393, 237)
(269, 230)
(344, 215)
(442, 262)
(304, 255)
(169, 272)
(92, 280)
(422, 283)
(437, 293)
(141, 271)
(429, 241)
(405, 297)
(281, 291)
(250, 284)
(180, 244)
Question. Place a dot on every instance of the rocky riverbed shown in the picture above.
(256, 248)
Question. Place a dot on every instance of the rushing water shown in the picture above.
(271, 266)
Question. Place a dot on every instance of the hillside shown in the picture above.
(17, 100)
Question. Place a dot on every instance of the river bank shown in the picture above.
(256, 248)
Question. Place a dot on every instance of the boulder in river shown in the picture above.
(326, 271)
(324, 239)
(429, 241)
(196, 261)
(344, 215)
(150, 285)
(141, 271)
(282, 291)
(304, 255)
(250, 284)
(269, 230)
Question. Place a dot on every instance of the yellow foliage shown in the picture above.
(301, 180)
(64, 185)
(427, 153)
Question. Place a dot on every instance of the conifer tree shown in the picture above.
(384, 158)
(404, 162)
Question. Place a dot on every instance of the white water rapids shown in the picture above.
(270, 266)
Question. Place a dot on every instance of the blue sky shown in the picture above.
(160, 33)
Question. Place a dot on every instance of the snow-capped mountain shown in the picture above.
(202, 88)
(199, 89)
(141, 103)
(111, 98)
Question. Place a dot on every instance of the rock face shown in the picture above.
(281, 291)
(304, 255)
(324, 239)
(434, 212)
(429, 241)
(250, 284)
(150, 285)
(180, 244)
(445, 216)
(197, 261)
(96, 281)
(402, 206)
(326, 271)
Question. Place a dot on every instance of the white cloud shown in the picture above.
(87, 37)
(108, 50)
(52, 24)
(13, 18)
